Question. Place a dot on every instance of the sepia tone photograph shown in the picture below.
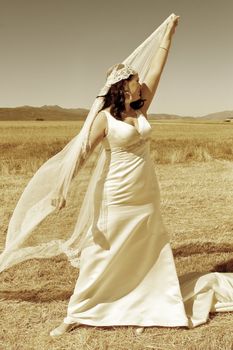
(116, 175)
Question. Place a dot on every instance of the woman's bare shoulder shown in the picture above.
(99, 125)
(105, 109)
(102, 112)
(101, 116)
(100, 121)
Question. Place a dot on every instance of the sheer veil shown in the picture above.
(54, 177)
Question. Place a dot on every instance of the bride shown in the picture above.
(129, 194)
(127, 274)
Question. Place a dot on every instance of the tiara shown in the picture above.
(115, 76)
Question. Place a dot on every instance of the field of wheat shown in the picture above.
(194, 164)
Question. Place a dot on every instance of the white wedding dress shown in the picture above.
(127, 272)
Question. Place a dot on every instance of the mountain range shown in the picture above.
(56, 112)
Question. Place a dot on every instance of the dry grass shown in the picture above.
(197, 209)
(26, 145)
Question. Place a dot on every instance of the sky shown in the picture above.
(57, 52)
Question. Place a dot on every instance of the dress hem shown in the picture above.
(141, 324)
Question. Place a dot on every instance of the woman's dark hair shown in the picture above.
(116, 99)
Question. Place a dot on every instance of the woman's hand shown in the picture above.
(59, 202)
(171, 27)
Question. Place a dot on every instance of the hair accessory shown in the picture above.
(115, 76)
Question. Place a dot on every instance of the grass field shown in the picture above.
(194, 163)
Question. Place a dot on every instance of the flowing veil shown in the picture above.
(54, 177)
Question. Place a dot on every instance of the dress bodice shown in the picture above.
(122, 134)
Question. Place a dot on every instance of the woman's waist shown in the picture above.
(123, 158)
(140, 150)
(127, 166)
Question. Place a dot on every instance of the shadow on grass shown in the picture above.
(62, 291)
(199, 248)
(36, 295)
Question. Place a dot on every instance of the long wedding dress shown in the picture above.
(127, 270)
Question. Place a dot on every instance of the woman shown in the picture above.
(132, 230)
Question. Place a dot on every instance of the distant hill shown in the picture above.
(213, 116)
(219, 115)
(44, 112)
(58, 113)
(167, 116)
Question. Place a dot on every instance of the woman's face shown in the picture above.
(135, 88)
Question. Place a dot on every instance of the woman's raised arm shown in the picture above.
(151, 82)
